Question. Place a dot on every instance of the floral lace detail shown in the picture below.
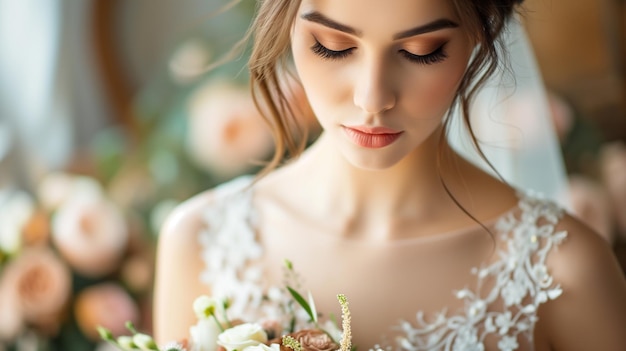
(230, 248)
(521, 282)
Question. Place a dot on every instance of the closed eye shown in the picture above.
(329, 54)
(434, 57)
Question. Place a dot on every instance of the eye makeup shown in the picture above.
(436, 56)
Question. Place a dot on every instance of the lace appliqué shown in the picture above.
(230, 248)
(521, 283)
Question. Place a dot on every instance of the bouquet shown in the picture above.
(215, 331)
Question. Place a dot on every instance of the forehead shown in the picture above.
(381, 16)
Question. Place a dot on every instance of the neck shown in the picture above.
(410, 188)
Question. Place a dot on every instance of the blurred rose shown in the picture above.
(313, 340)
(137, 273)
(592, 205)
(226, 132)
(91, 234)
(58, 188)
(41, 285)
(613, 168)
(106, 305)
(190, 61)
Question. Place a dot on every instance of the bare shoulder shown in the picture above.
(591, 312)
(178, 268)
(186, 220)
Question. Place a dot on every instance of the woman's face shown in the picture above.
(379, 74)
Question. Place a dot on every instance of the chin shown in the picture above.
(372, 160)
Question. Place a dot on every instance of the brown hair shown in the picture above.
(271, 30)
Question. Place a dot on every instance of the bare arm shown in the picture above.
(178, 268)
(591, 313)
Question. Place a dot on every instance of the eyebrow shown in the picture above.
(433, 26)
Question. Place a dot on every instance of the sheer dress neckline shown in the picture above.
(521, 280)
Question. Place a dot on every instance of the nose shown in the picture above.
(374, 88)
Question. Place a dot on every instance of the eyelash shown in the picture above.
(429, 59)
(326, 53)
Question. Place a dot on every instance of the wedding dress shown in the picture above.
(490, 304)
(498, 306)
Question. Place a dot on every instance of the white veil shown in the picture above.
(512, 121)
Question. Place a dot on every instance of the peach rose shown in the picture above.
(91, 234)
(40, 284)
(226, 133)
(106, 305)
(313, 340)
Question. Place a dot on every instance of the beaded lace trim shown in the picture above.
(521, 279)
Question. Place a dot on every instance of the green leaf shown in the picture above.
(300, 300)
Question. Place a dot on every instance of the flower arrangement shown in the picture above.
(215, 331)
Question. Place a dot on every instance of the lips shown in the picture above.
(371, 137)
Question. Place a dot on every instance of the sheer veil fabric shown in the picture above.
(512, 121)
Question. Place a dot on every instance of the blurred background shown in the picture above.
(108, 120)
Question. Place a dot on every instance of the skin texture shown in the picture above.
(367, 212)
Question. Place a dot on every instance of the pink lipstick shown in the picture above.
(371, 137)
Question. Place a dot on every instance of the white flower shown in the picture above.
(508, 343)
(144, 342)
(263, 347)
(204, 335)
(205, 306)
(242, 336)
(16, 208)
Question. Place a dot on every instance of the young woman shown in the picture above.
(380, 207)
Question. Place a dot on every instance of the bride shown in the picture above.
(434, 252)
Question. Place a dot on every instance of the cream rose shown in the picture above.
(204, 335)
(91, 234)
(242, 336)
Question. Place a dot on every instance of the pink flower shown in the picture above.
(39, 284)
(91, 234)
(226, 133)
(106, 305)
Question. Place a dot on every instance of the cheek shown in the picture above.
(323, 81)
(432, 90)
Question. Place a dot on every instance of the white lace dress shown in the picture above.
(520, 281)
